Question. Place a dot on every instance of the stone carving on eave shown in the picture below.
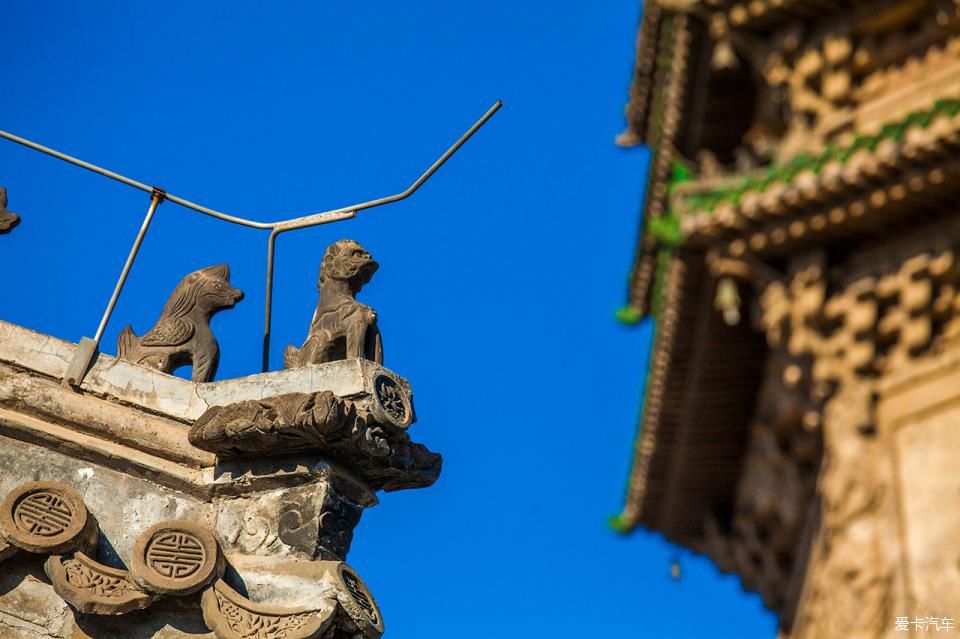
(182, 334)
(341, 328)
(8, 219)
(379, 449)
(172, 559)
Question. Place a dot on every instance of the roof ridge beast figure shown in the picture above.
(342, 327)
(182, 335)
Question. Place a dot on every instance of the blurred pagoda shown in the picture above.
(799, 258)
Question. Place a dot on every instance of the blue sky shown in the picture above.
(497, 285)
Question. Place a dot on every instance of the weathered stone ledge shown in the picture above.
(175, 398)
(137, 420)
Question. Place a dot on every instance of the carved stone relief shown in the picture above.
(179, 558)
(342, 328)
(252, 532)
(46, 517)
(392, 404)
(92, 588)
(277, 500)
(232, 616)
(283, 424)
(182, 336)
(336, 526)
(356, 600)
(175, 558)
(324, 530)
(381, 452)
(309, 522)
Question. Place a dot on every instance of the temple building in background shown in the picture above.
(801, 417)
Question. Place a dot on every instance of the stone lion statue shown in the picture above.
(342, 327)
(182, 335)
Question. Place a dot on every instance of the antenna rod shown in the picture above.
(284, 225)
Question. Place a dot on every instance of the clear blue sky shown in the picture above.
(497, 285)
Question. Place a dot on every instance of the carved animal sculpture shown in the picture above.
(8, 219)
(182, 335)
(342, 327)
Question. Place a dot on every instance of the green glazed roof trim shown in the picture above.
(620, 524)
(785, 172)
(629, 315)
(680, 172)
(663, 65)
(668, 233)
(666, 229)
(664, 255)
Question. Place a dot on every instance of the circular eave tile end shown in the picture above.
(176, 557)
(46, 517)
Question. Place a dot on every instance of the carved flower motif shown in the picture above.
(250, 625)
(391, 398)
(82, 576)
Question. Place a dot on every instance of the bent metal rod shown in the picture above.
(88, 347)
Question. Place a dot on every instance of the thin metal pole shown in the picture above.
(130, 182)
(72, 160)
(321, 218)
(268, 300)
(155, 200)
(295, 223)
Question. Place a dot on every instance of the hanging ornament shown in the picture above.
(727, 301)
